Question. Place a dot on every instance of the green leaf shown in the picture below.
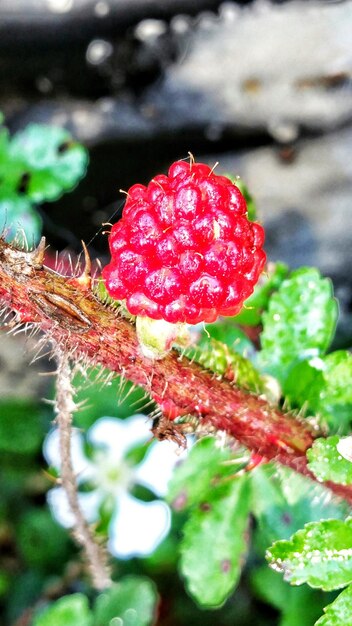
(68, 611)
(19, 432)
(326, 463)
(324, 385)
(203, 469)
(214, 545)
(283, 501)
(339, 612)
(219, 358)
(257, 303)
(299, 323)
(300, 606)
(45, 161)
(131, 602)
(320, 554)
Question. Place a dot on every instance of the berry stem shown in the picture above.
(84, 328)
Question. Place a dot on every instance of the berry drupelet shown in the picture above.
(184, 250)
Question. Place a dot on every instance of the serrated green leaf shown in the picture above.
(257, 303)
(19, 432)
(339, 612)
(131, 602)
(324, 385)
(68, 611)
(299, 323)
(195, 478)
(326, 463)
(214, 545)
(219, 358)
(283, 501)
(43, 162)
(320, 554)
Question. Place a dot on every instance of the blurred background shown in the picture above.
(264, 88)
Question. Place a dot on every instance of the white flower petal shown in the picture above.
(119, 435)
(157, 468)
(61, 511)
(137, 527)
(82, 467)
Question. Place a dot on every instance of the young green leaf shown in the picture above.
(45, 162)
(195, 478)
(131, 602)
(326, 463)
(68, 611)
(320, 554)
(339, 612)
(299, 323)
(214, 545)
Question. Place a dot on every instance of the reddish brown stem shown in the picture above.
(67, 311)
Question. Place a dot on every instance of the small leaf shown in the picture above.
(68, 611)
(131, 602)
(257, 303)
(299, 323)
(339, 612)
(320, 554)
(326, 462)
(205, 466)
(214, 544)
(48, 158)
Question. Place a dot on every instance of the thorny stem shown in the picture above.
(68, 313)
(95, 553)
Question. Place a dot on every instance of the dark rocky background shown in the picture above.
(265, 88)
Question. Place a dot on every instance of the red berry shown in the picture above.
(184, 250)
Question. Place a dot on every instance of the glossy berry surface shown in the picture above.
(184, 250)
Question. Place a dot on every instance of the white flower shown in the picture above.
(136, 527)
